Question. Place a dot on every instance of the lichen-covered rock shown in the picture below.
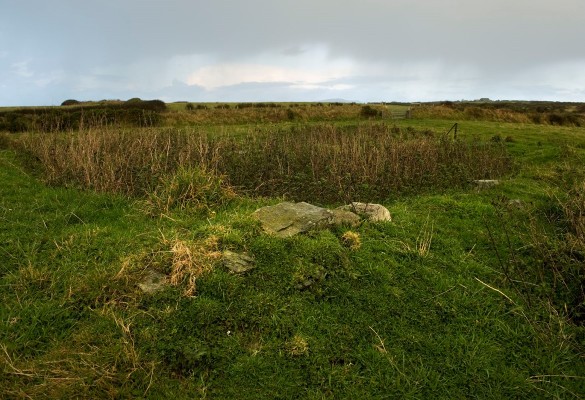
(153, 282)
(237, 263)
(344, 217)
(288, 219)
(370, 211)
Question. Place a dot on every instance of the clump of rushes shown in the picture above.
(193, 189)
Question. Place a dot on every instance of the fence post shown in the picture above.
(454, 129)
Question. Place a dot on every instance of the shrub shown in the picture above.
(562, 119)
(70, 102)
(152, 105)
(369, 112)
(14, 122)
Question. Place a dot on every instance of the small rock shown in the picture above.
(516, 203)
(344, 217)
(370, 211)
(238, 263)
(153, 282)
(485, 183)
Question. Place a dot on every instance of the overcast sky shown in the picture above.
(291, 50)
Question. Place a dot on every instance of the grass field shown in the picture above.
(465, 294)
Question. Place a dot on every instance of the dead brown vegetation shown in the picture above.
(322, 162)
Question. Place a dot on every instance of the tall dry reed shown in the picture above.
(328, 163)
(321, 162)
(127, 161)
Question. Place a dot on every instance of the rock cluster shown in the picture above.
(285, 220)
(288, 219)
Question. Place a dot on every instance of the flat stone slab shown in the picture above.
(370, 211)
(238, 263)
(288, 219)
(153, 282)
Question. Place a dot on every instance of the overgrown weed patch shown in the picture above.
(319, 163)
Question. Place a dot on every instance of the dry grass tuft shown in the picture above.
(422, 245)
(425, 239)
(182, 261)
(352, 240)
(33, 277)
(85, 367)
(192, 260)
(297, 346)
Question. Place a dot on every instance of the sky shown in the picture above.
(291, 50)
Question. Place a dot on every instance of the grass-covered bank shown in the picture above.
(425, 307)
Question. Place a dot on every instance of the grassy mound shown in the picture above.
(465, 293)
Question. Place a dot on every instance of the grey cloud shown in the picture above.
(371, 28)
(135, 39)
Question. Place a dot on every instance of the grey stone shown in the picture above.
(344, 217)
(516, 203)
(370, 211)
(485, 183)
(153, 282)
(288, 219)
(238, 263)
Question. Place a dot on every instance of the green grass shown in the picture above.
(420, 310)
